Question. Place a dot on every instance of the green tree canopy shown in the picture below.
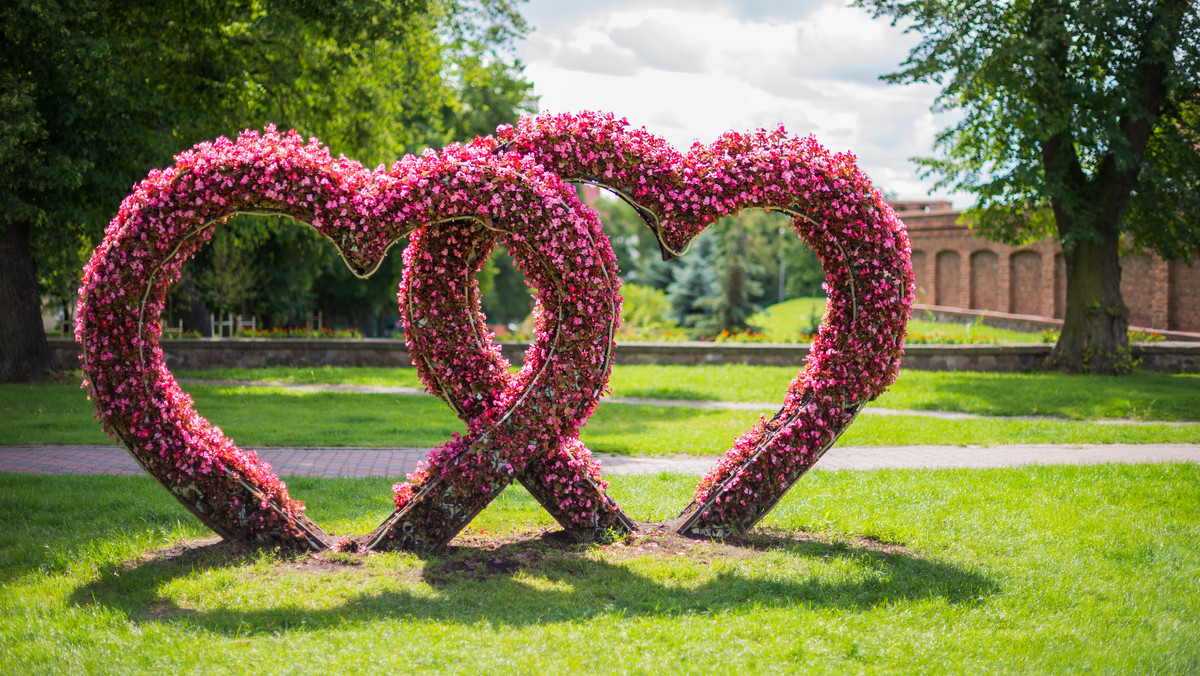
(1083, 110)
(94, 93)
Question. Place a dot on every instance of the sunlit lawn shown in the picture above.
(1141, 396)
(783, 321)
(1036, 569)
(1030, 570)
(277, 416)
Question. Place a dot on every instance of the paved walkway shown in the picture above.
(364, 462)
(684, 403)
(396, 462)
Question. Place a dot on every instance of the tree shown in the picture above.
(1085, 111)
(639, 256)
(777, 252)
(230, 280)
(94, 93)
(693, 280)
(732, 304)
(505, 295)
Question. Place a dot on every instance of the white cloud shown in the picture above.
(692, 70)
(662, 46)
(600, 58)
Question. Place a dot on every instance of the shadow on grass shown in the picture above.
(538, 581)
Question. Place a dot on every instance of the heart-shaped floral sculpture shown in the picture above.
(173, 212)
(862, 245)
(457, 204)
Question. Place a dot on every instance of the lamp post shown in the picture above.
(782, 262)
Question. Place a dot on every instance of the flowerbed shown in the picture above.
(301, 333)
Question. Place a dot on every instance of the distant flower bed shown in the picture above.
(652, 335)
(972, 337)
(751, 336)
(274, 333)
(300, 333)
(1051, 336)
(1145, 337)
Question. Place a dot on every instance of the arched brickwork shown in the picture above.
(985, 281)
(921, 275)
(948, 283)
(1025, 282)
(1184, 297)
(953, 270)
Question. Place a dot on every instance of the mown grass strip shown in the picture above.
(1141, 396)
(264, 416)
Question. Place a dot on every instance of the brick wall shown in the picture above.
(957, 269)
(1026, 286)
(985, 276)
(1183, 296)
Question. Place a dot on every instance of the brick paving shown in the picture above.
(368, 462)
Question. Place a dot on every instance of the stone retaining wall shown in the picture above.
(1025, 323)
(202, 353)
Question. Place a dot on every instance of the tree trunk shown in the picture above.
(1095, 335)
(25, 354)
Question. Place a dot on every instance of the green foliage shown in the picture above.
(645, 313)
(693, 279)
(1083, 110)
(772, 238)
(230, 278)
(507, 297)
(719, 286)
(94, 93)
(638, 255)
(1081, 106)
(728, 272)
(729, 309)
(1164, 216)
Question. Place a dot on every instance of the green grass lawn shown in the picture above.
(1141, 396)
(1029, 570)
(782, 321)
(271, 416)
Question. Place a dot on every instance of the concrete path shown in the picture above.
(395, 463)
(684, 403)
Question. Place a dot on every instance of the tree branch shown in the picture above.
(1115, 179)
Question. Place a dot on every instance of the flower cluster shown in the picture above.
(860, 242)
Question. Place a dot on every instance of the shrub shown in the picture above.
(646, 314)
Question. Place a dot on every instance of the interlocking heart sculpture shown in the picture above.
(455, 205)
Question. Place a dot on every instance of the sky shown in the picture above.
(688, 70)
